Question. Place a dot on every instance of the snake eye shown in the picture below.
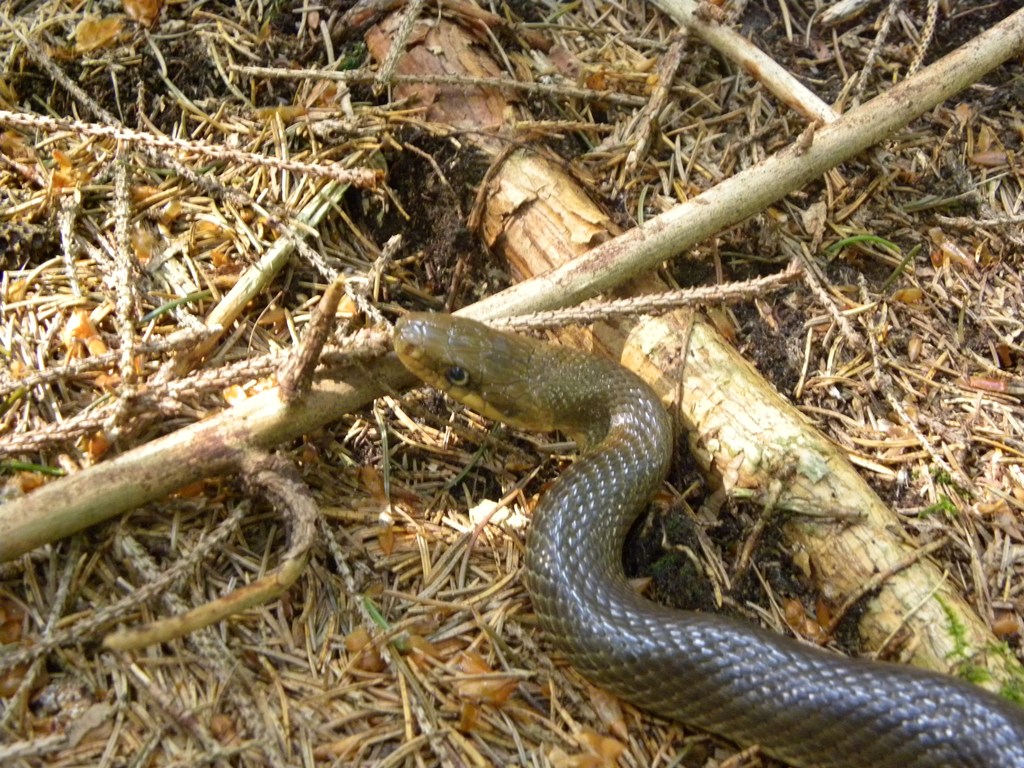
(457, 375)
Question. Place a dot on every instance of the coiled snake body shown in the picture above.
(802, 704)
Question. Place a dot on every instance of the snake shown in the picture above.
(800, 703)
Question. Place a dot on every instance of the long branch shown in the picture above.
(754, 189)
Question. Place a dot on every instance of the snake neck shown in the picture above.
(574, 553)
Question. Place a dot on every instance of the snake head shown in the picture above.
(484, 369)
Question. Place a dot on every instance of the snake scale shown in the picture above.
(800, 703)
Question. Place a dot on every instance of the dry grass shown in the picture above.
(408, 639)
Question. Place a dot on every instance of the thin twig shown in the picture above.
(600, 310)
(362, 178)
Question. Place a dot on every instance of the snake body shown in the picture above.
(800, 703)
